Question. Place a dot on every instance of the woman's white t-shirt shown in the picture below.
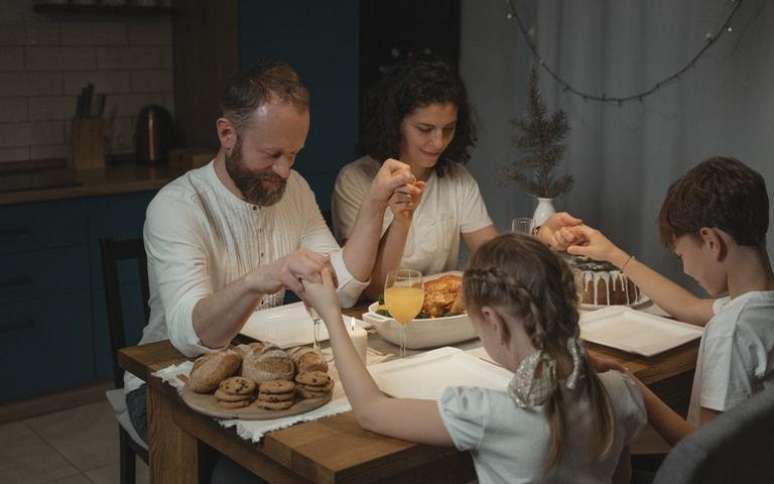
(509, 444)
(451, 205)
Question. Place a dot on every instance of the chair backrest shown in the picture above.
(114, 251)
(736, 447)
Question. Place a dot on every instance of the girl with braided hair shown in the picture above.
(557, 421)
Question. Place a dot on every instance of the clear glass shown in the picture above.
(316, 328)
(404, 294)
(522, 225)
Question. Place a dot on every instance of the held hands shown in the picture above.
(392, 175)
(290, 272)
(404, 201)
(321, 295)
(555, 225)
(591, 243)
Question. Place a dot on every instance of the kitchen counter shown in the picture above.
(110, 180)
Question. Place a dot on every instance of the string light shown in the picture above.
(711, 38)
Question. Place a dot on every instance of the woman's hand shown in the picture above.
(404, 201)
(322, 295)
(393, 175)
(551, 227)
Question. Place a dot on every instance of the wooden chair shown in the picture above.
(113, 252)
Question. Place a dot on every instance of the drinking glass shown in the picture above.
(522, 225)
(316, 329)
(404, 294)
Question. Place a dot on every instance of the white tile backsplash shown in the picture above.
(51, 107)
(16, 153)
(47, 133)
(13, 109)
(22, 83)
(107, 82)
(104, 32)
(15, 135)
(135, 57)
(46, 60)
(54, 58)
(11, 58)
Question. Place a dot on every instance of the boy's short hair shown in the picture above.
(720, 192)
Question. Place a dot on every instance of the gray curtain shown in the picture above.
(624, 157)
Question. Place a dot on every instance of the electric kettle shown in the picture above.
(153, 134)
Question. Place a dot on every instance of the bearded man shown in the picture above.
(228, 238)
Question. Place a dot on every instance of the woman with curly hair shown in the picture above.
(419, 113)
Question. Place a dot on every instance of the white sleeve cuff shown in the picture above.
(182, 333)
(349, 288)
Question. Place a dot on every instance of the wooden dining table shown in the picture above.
(334, 449)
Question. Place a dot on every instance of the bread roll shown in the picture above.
(267, 365)
(309, 359)
(210, 369)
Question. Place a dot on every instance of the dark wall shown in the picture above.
(320, 40)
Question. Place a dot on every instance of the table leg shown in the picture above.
(174, 453)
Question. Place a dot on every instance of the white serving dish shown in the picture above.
(422, 333)
(425, 332)
(427, 375)
(634, 331)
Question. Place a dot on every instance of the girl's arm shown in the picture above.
(402, 203)
(412, 420)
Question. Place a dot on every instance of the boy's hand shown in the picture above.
(595, 245)
(322, 295)
(553, 226)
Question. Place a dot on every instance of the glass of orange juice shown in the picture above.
(404, 294)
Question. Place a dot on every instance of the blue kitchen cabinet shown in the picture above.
(53, 321)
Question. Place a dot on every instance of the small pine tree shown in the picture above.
(539, 137)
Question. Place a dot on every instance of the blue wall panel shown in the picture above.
(320, 40)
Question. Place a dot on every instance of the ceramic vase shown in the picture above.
(544, 210)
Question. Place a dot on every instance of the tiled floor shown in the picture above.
(76, 446)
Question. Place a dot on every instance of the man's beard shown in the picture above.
(251, 184)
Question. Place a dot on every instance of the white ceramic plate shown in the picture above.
(641, 301)
(286, 326)
(427, 375)
(634, 331)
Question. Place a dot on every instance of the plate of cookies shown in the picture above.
(258, 381)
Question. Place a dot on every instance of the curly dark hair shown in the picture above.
(415, 83)
(720, 192)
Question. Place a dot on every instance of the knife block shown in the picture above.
(87, 143)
